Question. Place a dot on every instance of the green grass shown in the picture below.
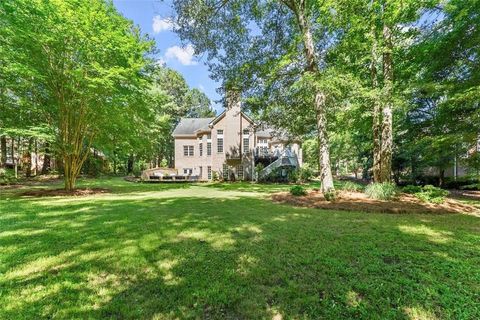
(227, 252)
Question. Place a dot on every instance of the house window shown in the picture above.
(220, 141)
(225, 172)
(209, 148)
(220, 145)
(201, 172)
(262, 141)
(240, 172)
(245, 132)
(209, 172)
(200, 149)
(246, 145)
(209, 136)
(187, 171)
(188, 151)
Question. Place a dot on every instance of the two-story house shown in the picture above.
(228, 146)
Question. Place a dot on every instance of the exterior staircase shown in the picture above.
(286, 159)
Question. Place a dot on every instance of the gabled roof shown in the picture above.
(221, 115)
(188, 126)
(192, 126)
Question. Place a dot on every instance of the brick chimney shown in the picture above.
(233, 99)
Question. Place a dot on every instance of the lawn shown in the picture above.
(227, 252)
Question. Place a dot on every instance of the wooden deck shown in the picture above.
(171, 179)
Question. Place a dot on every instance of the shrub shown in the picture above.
(138, 167)
(473, 186)
(305, 173)
(381, 191)
(293, 176)
(352, 186)
(7, 176)
(298, 191)
(215, 176)
(330, 195)
(411, 189)
(432, 194)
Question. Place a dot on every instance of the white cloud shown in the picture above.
(160, 24)
(184, 55)
(202, 88)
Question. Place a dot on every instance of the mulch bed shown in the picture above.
(62, 192)
(357, 201)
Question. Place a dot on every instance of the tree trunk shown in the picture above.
(130, 164)
(46, 167)
(75, 141)
(28, 169)
(114, 162)
(320, 98)
(3, 151)
(13, 157)
(36, 157)
(441, 178)
(377, 110)
(387, 121)
(69, 172)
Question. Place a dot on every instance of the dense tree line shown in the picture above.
(78, 79)
(387, 87)
(390, 87)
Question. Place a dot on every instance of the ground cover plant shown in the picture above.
(381, 191)
(172, 251)
(298, 191)
(350, 186)
(427, 193)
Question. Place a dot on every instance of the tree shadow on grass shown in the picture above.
(234, 258)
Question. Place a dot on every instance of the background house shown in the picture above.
(228, 146)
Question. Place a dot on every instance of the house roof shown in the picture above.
(192, 126)
(188, 126)
(266, 133)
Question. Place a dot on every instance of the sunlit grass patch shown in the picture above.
(199, 251)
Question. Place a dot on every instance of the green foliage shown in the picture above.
(83, 69)
(330, 195)
(138, 167)
(473, 186)
(298, 191)
(7, 176)
(427, 193)
(352, 186)
(305, 173)
(411, 189)
(381, 191)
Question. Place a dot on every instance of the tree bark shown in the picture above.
(130, 164)
(320, 98)
(28, 169)
(13, 157)
(46, 167)
(441, 178)
(114, 162)
(36, 157)
(387, 121)
(3, 151)
(377, 111)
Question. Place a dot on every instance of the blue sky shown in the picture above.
(153, 18)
